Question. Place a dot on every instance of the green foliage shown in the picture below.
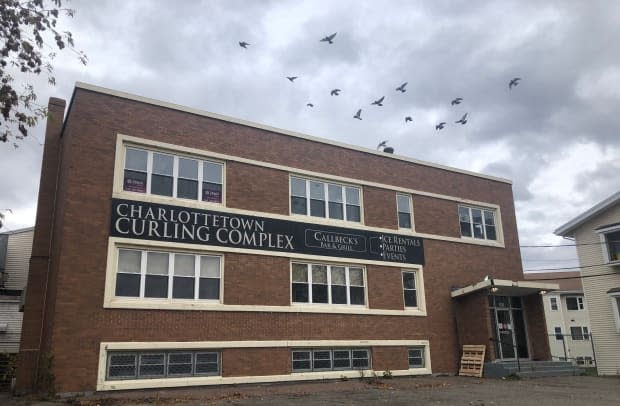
(28, 37)
(387, 374)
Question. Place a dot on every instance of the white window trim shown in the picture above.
(615, 308)
(602, 237)
(410, 202)
(499, 234)
(171, 255)
(119, 173)
(581, 303)
(329, 285)
(110, 301)
(417, 289)
(106, 385)
(325, 182)
(118, 192)
(553, 299)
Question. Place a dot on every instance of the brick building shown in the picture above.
(175, 247)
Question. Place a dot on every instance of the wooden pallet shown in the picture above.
(472, 360)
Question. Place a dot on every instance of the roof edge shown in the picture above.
(571, 225)
(147, 100)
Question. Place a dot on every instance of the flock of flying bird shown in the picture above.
(379, 102)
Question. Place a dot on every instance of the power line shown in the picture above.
(562, 269)
(568, 245)
(574, 277)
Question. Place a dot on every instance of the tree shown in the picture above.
(29, 39)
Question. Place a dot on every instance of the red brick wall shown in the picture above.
(389, 358)
(536, 327)
(80, 323)
(473, 322)
(436, 216)
(242, 272)
(256, 361)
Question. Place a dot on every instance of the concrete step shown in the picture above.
(545, 373)
(530, 369)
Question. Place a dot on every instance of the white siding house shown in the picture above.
(567, 318)
(15, 250)
(597, 234)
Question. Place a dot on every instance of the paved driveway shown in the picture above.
(566, 391)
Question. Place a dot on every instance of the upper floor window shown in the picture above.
(612, 243)
(328, 284)
(558, 333)
(554, 303)
(477, 223)
(167, 275)
(574, 303)
(410, 291)
(403, 206)
(322, 199)
(171, 175)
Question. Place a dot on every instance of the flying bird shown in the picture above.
(401, 88)
(382, 144)
(458, 100)
(358, 115)
(379, 102)
(291, 78)
(310, 105)
(243, 44)
(440, 126)
(513, 83)
(329, 38)
(335, 92)
(463, 119)
(408, 118)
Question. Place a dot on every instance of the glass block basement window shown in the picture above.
(161, 364)
(306, 360)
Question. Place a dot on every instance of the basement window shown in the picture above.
(161, 364)
(416, 357)
(339, 359)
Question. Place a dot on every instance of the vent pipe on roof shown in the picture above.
(389, 150)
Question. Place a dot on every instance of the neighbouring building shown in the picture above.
(176, 247)
(15, 248)
(568, 321)
(596, 233)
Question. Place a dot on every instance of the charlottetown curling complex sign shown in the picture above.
(158, 222)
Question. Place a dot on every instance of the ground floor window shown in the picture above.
(167, 275)
(161, 364)
(306, 360)
(327, 284)
(416, 357)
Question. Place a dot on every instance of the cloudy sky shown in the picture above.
(556, 135)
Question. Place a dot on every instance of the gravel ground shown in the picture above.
(566, 391)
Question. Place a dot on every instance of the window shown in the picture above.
(155, 274)
(554, 303)
(322, 199)
(328, 284)
(171, 175)
(612, 242)
(574, 303)
(409, 289)
(579, 333)
(403, 206)
(330, 359)
(162, 364)
(614, 295)
(477, 223)
(416, 357)
(558, 333)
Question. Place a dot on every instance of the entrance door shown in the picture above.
(505, 334)
(509, 327)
